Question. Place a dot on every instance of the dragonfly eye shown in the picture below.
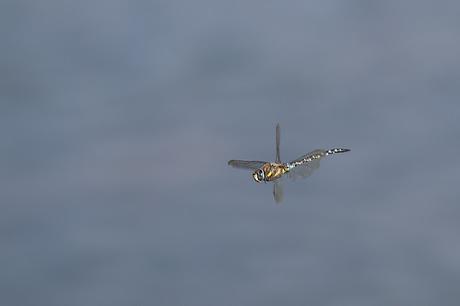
(258, 175)
(261, 174)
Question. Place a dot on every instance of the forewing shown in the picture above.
(278, 192)
(278, 158)
(246, 164)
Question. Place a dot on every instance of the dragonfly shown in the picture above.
(301, 167)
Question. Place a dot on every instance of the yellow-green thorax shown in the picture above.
(273, 171)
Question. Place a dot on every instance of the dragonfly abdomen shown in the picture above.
(314, 155)
(317, 154)
(336, 150)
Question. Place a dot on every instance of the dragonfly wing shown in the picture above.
(316, 154)
(306, 164)
(278, 192)
(304, 170)
(246, 164)
(278, 158)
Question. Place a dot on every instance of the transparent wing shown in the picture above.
(306, 164)
(316, 154)
(303, 170)
(246, 164)
(278, 158)
(278, 192)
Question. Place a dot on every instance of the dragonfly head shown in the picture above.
(258, 175)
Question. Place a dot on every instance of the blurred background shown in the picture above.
(117, 119)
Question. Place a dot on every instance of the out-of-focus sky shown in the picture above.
(117, 119)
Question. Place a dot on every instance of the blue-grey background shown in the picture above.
(117, 119)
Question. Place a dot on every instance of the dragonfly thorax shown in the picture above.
(269, 172)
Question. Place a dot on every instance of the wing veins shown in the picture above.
(246, 164)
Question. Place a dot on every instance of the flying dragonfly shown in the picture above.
(301, 167)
